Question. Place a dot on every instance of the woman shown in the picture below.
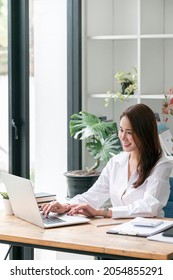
(136, 180)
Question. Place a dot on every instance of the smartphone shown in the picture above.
(168, 232)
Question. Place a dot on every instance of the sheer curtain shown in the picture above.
(48, 102)
(48, 99)
(48, 150)
(48, 95)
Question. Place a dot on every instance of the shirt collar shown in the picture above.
(122, 158)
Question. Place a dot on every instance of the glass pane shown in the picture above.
(48, 90)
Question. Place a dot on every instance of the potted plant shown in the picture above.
(128, 85)
(101, 141)
(7, 204)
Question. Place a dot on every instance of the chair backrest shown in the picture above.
(168, 209)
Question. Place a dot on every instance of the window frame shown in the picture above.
(18, 80)
(74, 78)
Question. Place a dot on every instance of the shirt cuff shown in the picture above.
(120, 212)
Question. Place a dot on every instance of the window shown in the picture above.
(3, 99)
(3, 86)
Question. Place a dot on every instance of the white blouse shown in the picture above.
(146, 201)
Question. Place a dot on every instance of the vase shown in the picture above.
(7, 207)
(124, 86)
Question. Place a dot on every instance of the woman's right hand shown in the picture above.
(55, 207)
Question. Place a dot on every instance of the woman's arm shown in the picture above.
(90, 211)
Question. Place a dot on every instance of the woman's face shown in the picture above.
(126, 136)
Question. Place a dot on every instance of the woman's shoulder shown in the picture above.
(164, 160)
(162, 168)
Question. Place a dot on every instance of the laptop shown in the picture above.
(24, 204)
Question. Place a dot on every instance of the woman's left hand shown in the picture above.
(83, 209)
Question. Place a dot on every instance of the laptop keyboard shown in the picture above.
(51, 220)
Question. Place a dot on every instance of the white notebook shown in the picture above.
(166, 140)
(146, 229)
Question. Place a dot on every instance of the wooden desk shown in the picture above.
(85, 239)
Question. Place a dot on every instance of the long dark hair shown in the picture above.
(144, 126)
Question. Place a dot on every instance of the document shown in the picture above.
(131, 227)
(166, 140)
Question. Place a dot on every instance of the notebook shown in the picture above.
(25, 206)
(168, 232)
(143, 227)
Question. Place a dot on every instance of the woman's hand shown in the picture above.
(55, 207)
(84, 209)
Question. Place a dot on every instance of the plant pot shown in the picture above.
(78, 184)
(124, 86)
(7, 207)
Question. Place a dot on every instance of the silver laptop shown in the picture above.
(25, 206)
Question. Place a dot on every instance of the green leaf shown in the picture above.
(100, 137)
(4, 195)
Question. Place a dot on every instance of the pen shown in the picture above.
(109, 224)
